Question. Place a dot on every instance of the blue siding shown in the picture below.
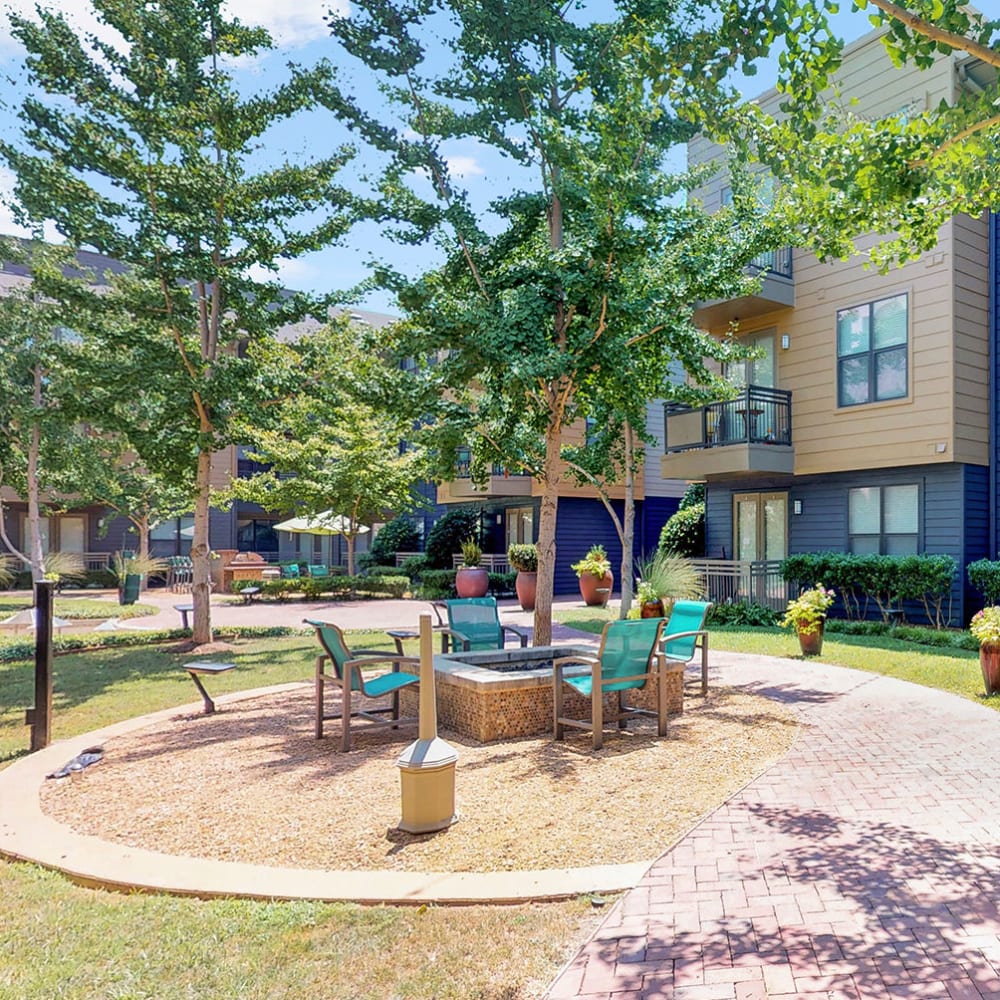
(954, 509)
(581, 523)
(651, 515)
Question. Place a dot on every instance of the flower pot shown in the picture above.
(595, 590)
(526, 585)
(651, 609)
(472, 581)
(989, 661)
(811, 642)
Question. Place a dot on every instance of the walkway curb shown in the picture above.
(28, 834)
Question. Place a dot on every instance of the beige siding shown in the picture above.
(971, 299)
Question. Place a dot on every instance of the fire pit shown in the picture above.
(506, 693)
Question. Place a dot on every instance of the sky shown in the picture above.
(301, 34)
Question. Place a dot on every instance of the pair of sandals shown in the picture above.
(92, 755)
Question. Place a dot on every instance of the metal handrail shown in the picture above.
(758, 415)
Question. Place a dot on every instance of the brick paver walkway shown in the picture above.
(864, 864)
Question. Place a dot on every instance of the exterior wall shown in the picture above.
(953, 512)
(942, 420)
(580, 524)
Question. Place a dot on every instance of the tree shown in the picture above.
(904, 174)
(590, 268)
(146, 152)
(37, 434)
(329, 447)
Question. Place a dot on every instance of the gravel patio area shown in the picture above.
(250, 783)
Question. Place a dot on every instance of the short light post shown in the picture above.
(427, 767)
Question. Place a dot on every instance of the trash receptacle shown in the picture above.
(129, 592)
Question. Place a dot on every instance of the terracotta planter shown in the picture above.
(811, 643)
(989, 661)
(472, 581)
(595, 590)
(651, 609)
(526, 585)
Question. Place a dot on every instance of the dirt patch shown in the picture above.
(251, 784)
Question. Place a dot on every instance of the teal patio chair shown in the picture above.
(290, 571)
(685, 634)
(318, 569)
(474, 624)
(626, 660)
(348, 665)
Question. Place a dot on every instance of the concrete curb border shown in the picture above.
(27, 834)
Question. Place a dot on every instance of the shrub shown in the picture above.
(399, 535)
(693, 495)
(445, 539)
(984, 575)
(437, 584)
(386, 570)
(414, 567)
(502, 584)
(523, 558)
(757, 615)
(684, 533)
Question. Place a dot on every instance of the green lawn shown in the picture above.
(954, 670)
(58, 940)
(12, 601)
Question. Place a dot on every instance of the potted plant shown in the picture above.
(662, 579)
(807, 615)
(985, 626)
(596, 578)
(524, 558)
(471, 580)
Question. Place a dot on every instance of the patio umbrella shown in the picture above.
(326, 523)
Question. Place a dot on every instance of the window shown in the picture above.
(884, 519)
(872, 351)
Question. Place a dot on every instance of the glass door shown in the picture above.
(757, 371)
(760, 524)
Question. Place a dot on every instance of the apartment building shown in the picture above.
(868, 423)
(510, 503)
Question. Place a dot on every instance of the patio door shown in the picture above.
(760, 527)
(756, 371)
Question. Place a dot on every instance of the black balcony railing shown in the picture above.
(774, 262)
(758, 415)
(462, 466)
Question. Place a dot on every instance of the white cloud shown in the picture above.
(464, 166)
(292, 23)
(294, 274)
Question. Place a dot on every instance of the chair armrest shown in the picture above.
(522, 635)
(438, 607)
(364, 661)
(455, 635)
(661, 648)
(583, 659)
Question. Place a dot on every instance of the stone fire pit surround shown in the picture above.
(484, 696)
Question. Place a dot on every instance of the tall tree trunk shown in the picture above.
(201, 590)
(628, 534)
(350, 553)
(547, 534)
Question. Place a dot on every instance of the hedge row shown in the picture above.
(439, 584)
(24, 649)
(315, 587)
(887, 581)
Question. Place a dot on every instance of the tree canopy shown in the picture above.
(577, 282)
(144, 150)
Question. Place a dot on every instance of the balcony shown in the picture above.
(750, 435)
(777, 291)
(501, 483)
